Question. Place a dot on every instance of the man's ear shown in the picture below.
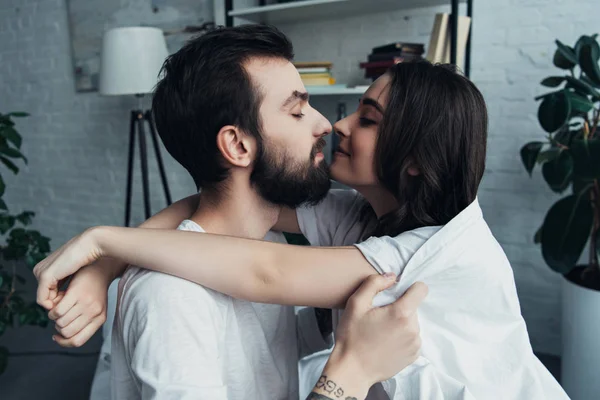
(236, 147)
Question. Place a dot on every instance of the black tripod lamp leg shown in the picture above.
(161, 167)
(144, 163)
(130, 167)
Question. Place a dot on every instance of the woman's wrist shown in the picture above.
(99, 240)
(342, 378)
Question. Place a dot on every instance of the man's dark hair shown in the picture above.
(204, 87)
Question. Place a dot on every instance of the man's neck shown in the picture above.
(239, 211)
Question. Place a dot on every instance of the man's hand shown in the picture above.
(372, 343)
(78, 252)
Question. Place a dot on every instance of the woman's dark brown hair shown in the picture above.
(436, 121)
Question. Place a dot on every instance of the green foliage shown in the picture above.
(570, 156)
(20, 248)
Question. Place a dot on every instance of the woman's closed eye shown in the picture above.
(366, 122)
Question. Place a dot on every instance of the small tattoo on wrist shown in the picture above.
(329, 386)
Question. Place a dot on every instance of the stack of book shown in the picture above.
(383, 57)
(315, 73)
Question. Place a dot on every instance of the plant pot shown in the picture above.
(580, 339)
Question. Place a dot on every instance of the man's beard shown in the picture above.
(284, 182)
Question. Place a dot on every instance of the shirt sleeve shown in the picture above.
(170, 335)
(338, 210)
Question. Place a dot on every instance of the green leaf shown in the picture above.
(1, 280)
(581, 186)
(10, 165)
(564, 57)
(586, 156)
(6, 222)
(558, 172)
(43, 244)
(529, 155)
(587, 80)
(543, 96)
(5, 119)
(10, 134)
(25, 218)
(588, 61)
(548, 155)
(553, 81)
(583, 40)
(13, 153)
(582, 87)
(3, 359)
(566, 230)
(18, 114)
(554, 111)
(579, 103)
(3, 205)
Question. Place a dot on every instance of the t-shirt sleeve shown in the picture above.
(391, 255)
(170, 335)
(319, 223)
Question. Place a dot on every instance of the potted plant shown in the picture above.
(20, 247)
(570, 163)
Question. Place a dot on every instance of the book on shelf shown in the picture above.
(399, 55)
(313, 64)
(439, 43)
(380, 64)
(315, 73)
(416, 48)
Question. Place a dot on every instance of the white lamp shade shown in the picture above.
(131, 60)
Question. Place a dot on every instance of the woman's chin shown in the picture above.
(339, 174)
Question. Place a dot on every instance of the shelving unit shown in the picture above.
(306, 10)
(335, 90)
(321, 9)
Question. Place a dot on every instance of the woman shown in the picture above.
(414, 152)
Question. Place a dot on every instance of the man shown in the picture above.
(220, 109)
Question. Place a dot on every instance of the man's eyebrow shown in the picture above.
(296, 95)
(371, 102)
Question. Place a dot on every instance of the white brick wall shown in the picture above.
(77, 143)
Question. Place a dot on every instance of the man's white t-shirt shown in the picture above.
(174, 339)
(475, 342)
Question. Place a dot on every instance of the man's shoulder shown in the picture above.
(149, 289)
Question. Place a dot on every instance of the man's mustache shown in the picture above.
(318, 147)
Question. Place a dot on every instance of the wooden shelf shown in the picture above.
(335, 90)
(306, 10)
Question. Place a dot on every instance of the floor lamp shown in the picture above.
(130, 64)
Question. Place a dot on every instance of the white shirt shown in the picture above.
(174, 339)
(475, 342)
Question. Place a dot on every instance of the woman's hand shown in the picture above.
(372, 343)
(78, 252)
(81, 310)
